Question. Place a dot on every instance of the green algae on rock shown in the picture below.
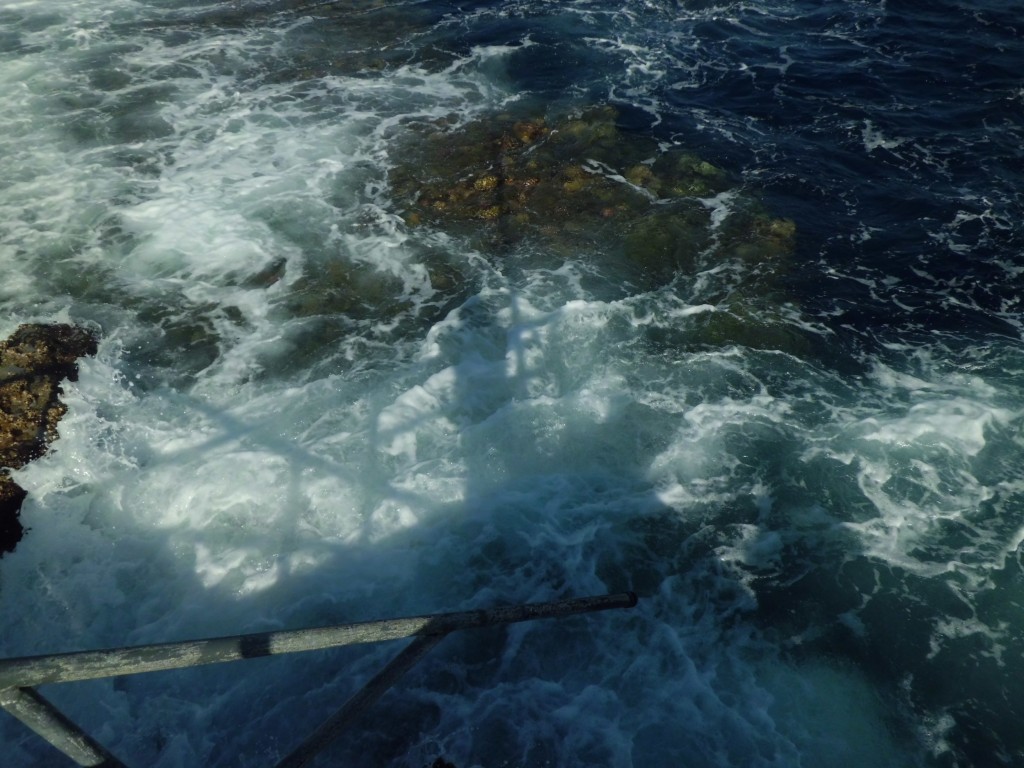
(562, 179)
(33, 363)
(648, 214)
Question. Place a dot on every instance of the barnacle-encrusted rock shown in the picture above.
(577, 184)
(574, 180)
(547, 187)
(33, 362)
(565, 179)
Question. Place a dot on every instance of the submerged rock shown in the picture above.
(645, 213)
(567, 180)
(33, 363)
(538, 189)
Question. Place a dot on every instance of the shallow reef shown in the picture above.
(646, 214)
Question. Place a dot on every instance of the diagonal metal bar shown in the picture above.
(35, 711)
(89, 665)
(17, 676)
(362, 700)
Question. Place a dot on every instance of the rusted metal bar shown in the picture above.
(89, 665)
(360, 702)
(35, 711)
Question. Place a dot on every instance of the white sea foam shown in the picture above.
(917, 460)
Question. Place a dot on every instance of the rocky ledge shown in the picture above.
(33, 363)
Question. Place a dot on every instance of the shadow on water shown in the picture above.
(470, 554)
(554, 498)
(501, 470)
(515, 464)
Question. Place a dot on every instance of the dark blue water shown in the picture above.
(823, 513)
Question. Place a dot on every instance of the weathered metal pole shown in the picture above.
(29, 706)
(363, 699)
(360, 701)
(89, 665)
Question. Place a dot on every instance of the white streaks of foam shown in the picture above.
(915, 464)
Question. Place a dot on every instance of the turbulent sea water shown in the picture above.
(309, 408)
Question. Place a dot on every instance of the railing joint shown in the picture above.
(19, 676)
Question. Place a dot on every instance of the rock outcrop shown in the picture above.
(644, 212)
(33, 363)
(566, 180)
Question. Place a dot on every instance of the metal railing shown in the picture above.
(19, 676)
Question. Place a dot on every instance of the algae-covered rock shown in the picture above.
(666, 242)
(574, 180)
(643, 212)
(569, 180)
(549, 188)
(33, 362)
(340, 286)
(754, 328)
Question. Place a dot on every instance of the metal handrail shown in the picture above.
(19, 675)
